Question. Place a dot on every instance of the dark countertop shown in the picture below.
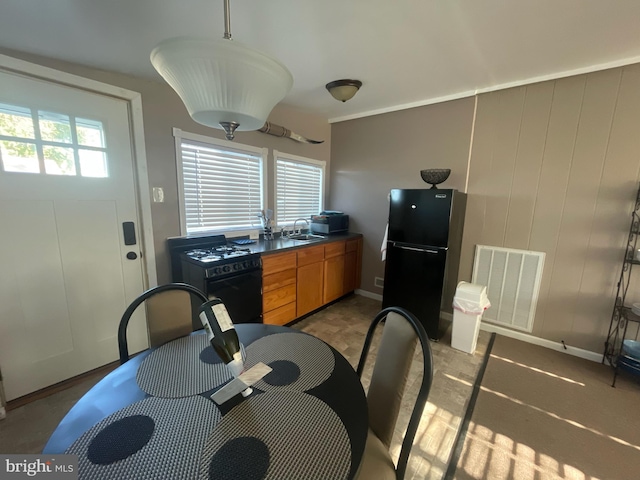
(279, 244)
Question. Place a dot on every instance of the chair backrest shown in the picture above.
(402, 331)
(169, 314)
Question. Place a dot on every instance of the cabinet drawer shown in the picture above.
(281, 315)
(310, 255)
(334, 249)
(278, 280)
(352, 245)
(277, 262)
(278, 298)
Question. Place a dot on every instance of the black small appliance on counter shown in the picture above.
(328, 222)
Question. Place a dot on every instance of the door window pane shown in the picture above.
(90, 132)
(93, 163)
(56, 143)
(16, 121)
(54, 127)
(59, 160)
(19, 157)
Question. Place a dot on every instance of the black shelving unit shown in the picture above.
(624, 323)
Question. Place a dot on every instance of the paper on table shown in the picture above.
(244, 381)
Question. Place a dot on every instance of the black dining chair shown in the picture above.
(400, 335)
(169, 314)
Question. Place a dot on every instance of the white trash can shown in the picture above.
(469, 303)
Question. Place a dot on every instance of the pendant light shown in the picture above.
(223, 84)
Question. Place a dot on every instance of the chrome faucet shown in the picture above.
(296, 222)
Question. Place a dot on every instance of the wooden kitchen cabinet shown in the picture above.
(334, 261)
(310, 279)
(352, 265)
(279, 279)
(295, 283)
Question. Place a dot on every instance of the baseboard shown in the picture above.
(557, 346)
(524, 337)
(364, 293)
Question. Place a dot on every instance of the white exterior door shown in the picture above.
(67, 184)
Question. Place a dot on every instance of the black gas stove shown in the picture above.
(221, 261)
(228, 272)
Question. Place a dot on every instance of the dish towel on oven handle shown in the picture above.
(383, 247)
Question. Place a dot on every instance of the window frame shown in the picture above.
(179, 136)
(296, 159)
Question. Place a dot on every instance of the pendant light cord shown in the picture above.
(227, 20)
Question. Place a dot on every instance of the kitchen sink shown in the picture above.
(310, 237)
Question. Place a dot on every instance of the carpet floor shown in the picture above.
(542, 414)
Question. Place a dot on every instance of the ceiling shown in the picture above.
(406, 52)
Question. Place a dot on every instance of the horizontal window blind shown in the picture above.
(222, 187)
(299, 189)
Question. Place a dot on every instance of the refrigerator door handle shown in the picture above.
(415, 249)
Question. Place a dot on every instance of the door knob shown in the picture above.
(132, 255)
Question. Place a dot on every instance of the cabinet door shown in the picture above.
(352, 265)
(333, 278)
(309, 296)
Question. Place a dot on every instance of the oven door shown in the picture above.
(241, 294)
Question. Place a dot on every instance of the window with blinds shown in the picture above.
(222, 185)
(299, 188)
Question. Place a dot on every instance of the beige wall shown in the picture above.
(163, 110)
(372, 155)
(553, 168)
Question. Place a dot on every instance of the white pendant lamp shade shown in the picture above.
(222, 82)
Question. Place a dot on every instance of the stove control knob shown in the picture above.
(216, 271)
(226, 268)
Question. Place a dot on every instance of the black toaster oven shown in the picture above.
(327, 223)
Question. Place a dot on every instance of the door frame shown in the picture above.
(138, 150)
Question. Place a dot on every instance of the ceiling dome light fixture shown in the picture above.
(343, 90)
(222, 83)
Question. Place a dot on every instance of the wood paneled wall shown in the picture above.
(554, 168)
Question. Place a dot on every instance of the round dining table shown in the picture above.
(153, 417)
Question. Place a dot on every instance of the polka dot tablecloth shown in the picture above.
(293, 426)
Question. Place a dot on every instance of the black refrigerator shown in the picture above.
(423, 253)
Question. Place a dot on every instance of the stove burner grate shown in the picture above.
(214, 254)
